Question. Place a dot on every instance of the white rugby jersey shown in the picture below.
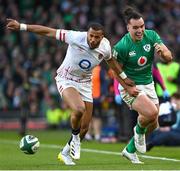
(80, 59)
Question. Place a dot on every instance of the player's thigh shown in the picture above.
(157, 107)
(144, 106)
(87, 116)
(70, 93)
(73, 99)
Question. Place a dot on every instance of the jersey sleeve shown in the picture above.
(67, 36)
(119, 52)
(108, 52)
(156, 38)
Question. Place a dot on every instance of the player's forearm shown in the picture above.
(117, 70)
(115, 66)
(120, 80)
(119, 73)
(38, 29)
(42, 30)
(163, 52)
(166, 55)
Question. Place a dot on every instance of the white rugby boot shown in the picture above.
(66, 159)
(131, 156)
(75, 148)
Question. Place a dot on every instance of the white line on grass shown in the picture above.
(93, 151)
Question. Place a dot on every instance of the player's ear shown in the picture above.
(127, 27)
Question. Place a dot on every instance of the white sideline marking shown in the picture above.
(93, 151)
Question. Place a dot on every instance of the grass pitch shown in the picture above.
(94, 156)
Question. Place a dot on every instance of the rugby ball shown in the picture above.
(29, 144)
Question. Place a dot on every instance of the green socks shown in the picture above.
(140, 129)
(131, 146)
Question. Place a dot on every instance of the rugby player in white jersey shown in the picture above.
(85, 51)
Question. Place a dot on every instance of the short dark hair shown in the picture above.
(130, 13)
(96, 26)
(176, 95)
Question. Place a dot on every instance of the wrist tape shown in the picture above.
(23, 27)
(123, 75)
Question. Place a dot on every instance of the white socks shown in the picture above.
(76, 137)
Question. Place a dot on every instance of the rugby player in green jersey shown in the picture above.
(135, 52)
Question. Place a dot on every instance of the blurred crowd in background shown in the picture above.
(28, 63)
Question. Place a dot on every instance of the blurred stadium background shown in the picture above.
(29, 99)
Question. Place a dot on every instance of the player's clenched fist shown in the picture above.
(158, 48)
(13, 25)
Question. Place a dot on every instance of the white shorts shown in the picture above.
(84, 89)
(148, 90)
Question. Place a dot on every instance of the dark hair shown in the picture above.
(96, 26)
(130, 13)
(176, 95)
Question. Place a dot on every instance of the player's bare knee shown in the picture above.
(153, 114)
(79, 110)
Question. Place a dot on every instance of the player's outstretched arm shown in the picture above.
(38, 29)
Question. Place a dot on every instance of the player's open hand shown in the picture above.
(12, 24)
(129, 82)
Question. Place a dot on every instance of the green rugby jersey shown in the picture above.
(137, 57)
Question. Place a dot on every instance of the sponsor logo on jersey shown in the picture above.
(85, 64)
(132, 53)
(142, 61)
(115, 53)
(147, 47)
(142, 68)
